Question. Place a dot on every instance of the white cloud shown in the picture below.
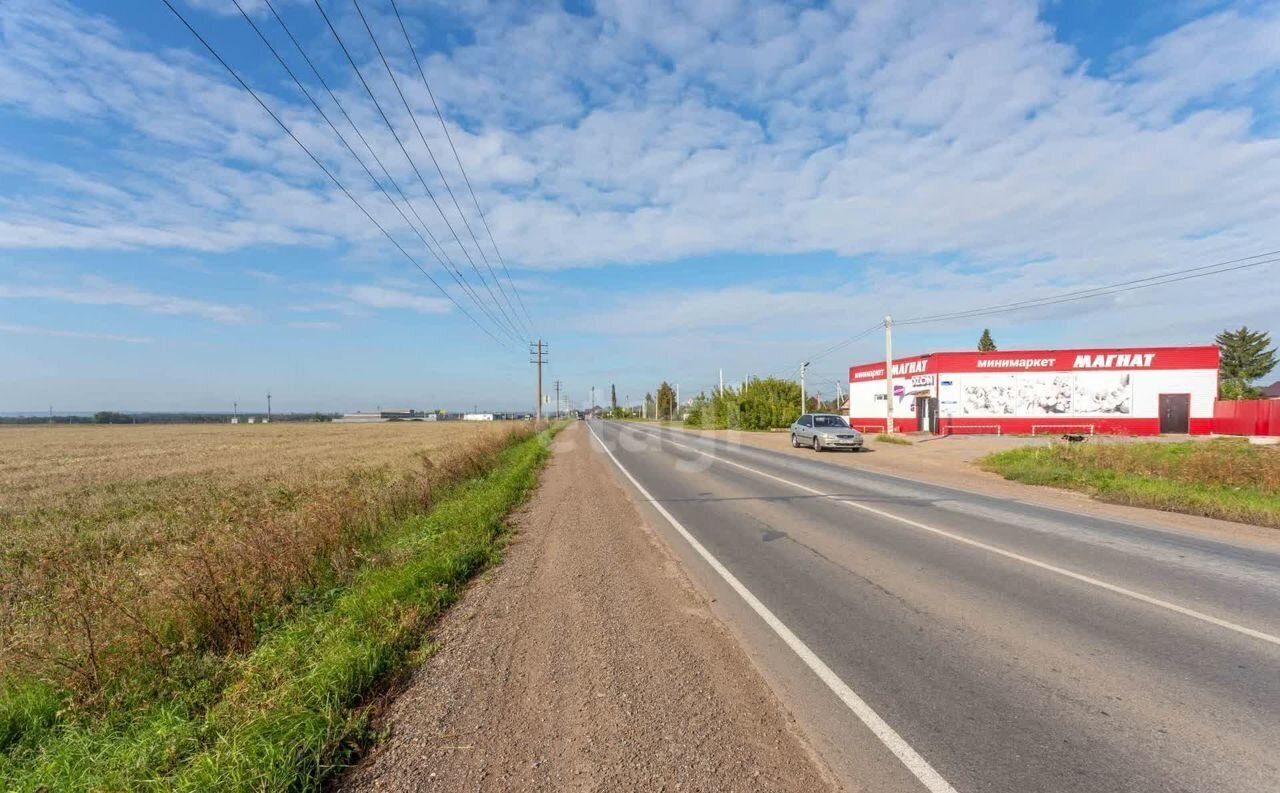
(31, 330)
(94, 291)
(659, 130)
(383, 297)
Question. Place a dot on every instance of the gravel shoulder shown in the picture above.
(949, 461)
(586, 661)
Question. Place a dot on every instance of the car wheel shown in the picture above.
(817, 443)
(795, 444)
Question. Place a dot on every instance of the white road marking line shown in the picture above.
(1119, 590)
(917, 765)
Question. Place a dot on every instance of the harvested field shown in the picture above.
(128, 548)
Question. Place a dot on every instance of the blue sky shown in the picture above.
(675, 187)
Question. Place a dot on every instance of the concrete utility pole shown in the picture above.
(675, 409)
(592, 407)
(888, 373)
(538, 350)
(557, 399)
(722, 382)
(804, 400)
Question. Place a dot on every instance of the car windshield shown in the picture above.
(829, 421)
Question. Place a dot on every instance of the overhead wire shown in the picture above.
(403, 150)
(449, 137)
(475, 298)
(236, 75)
(1170, 277)
(413, 117)
(1161, 279)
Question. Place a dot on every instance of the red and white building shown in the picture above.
(1131, 390)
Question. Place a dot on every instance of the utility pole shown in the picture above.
(268, 407)
(538, 350)
(722, 382)
(592, 408)
(557, 399)
(235, 412)
(675, 409)
(804, 400)
(888, 374)
(51, 415)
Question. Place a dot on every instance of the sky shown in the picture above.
(673, 189)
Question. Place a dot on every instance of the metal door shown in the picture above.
(927, 414)
(1175, 413)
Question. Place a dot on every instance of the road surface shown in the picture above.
(932, 639)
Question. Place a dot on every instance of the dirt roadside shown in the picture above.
(586, 661)
(949, 461)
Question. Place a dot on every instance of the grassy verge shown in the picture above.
(897, 440)
(287, 713)
(1226, 478)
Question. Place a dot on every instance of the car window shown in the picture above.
(829, 421)
(806, 421)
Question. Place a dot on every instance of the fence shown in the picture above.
(1246, 417)
(1082, 429)
(973, 429)
(868, 427)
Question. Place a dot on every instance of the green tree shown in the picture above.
(650, 406)
(1244, 358)
(613, 399)
(986, 343)
(666, 400)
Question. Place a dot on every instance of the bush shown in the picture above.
(770, 403)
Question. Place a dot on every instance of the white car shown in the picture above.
(822, 431)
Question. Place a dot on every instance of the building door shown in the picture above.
(927, 414)
(1175, 413)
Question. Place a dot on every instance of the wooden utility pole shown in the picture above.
(538, 349)
(888, 374)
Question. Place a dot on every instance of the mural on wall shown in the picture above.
(1048, 394)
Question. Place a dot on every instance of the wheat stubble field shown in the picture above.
(123, 544)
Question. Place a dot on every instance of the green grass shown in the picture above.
(897, 440)
(1223, 478)
(291, 711)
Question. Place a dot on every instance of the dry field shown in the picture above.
(128, 545)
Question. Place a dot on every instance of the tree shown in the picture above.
(650, 406)
(1243, 358)
(613, 398)
(666, 400)
(986, 343)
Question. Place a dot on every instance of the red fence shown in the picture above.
(1246, 417)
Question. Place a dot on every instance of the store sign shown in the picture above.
(921, 380)
(1136, 360)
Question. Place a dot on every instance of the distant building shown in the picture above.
(1272, 391)
(235, 419)
(477, 417)
(376, 416)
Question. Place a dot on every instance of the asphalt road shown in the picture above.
(933, 639)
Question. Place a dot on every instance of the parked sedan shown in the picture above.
(822, 431)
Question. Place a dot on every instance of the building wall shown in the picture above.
(1106, 390)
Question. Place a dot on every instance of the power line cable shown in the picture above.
(1187, 274)
(414, 118)
(343, 139)
(325, 169)
(1170, 277)
(391, 127)
(408, 40)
